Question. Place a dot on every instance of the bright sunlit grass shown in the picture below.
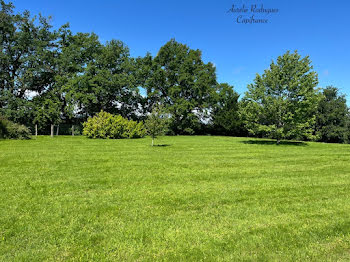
(192, 199)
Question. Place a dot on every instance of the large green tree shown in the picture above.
(332, 117)
(282, 102)
(108, 83)
(74, 55)
(225, 112)
(184, 84)
(25, 44)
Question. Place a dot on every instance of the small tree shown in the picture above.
(157, 122)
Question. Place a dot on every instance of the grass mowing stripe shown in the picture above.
(195, 199)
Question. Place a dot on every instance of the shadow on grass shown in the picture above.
(161, 145)
(269, 142)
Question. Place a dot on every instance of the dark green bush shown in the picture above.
(10, 130)
(105, 125)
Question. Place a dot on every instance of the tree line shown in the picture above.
(54, 77)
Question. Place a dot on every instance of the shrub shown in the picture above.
(105, 125)
(136, 130)
(10, 130)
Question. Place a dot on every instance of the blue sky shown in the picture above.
(318, 28)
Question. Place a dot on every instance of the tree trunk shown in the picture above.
(52, 127)
(278, 141)
(58, 127)
(36, 130)
(72, 130)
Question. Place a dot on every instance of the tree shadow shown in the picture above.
(161, 145)
(269, 142)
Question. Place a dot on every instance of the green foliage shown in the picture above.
(107, 82)
(47, 110)
(75, 54)
(135, 129)
(25, 44)
(16, 109)
(3, 129)
(183, 83)
(157, 122)
(332, 117)
(11, 130)
(225, 116)
(105, 125)
(78, 130)
(59, 77)
(282, 103)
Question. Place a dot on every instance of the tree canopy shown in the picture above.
(332, 121)
(282, 102)
(56, 77)
(181, 81)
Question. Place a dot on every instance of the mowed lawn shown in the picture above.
(192, 199)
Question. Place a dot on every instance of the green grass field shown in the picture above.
(192, 199)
